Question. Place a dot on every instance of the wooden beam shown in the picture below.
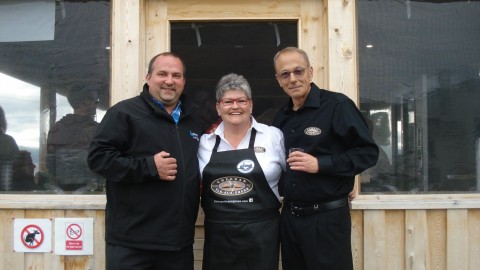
(419, 201)
(126, 50)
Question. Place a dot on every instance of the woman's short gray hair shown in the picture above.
(232, 81)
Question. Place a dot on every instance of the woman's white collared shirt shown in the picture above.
(269, 150)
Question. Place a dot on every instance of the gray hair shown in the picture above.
(290, 49)
(232, 81)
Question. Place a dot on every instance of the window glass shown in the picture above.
(54, 89)
(214, 49)
(420, 91)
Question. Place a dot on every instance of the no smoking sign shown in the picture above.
(74, 236)
(74, 231)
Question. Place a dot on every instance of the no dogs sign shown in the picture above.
(32, 235)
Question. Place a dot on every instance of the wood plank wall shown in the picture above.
(434, 239)
(388, 239)
(50, 207)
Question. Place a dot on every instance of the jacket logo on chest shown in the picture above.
(312, 131)
(245, 166)
(231, 186)
(194, 136)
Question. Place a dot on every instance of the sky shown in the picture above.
(21, 104)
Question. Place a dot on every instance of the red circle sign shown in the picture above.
(32, 236)
(74, 231)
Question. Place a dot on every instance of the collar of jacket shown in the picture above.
(187, 106)
(312, 100)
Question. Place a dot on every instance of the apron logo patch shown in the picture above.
(312, 131)
(245, 166)
(259, 149)
(231, 186)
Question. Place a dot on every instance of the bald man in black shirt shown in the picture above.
(335, 145)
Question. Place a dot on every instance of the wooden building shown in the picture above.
(426, 229)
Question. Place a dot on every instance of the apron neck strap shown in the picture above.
(250, 144)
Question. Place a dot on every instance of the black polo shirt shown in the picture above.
(330, 127)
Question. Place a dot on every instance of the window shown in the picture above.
(54, 89)
(420, 91)
(214, 49)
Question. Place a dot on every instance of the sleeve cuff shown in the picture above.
(152, 169)
(325, 164)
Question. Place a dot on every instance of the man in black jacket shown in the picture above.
(327, 143)
(146, 148)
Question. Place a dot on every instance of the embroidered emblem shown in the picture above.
(259, 149)
(231, 186)
(245, 166)
(312, 131)
(194, 136)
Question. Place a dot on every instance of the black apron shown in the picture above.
(241, 212)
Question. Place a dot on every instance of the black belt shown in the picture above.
(301, 210)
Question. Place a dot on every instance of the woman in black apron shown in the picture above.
(241, 206)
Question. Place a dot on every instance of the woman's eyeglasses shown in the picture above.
(298, 72)
(228, 102)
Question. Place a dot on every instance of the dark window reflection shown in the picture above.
(54, 90)
(214, 49)
(8, 154)
(68, 142)
(420, 90)
(23, 169)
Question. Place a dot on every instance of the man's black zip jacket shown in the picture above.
(143, 211)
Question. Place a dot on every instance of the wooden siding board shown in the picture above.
(357, 239)
(457, 239)
(374, 240)
(58, 262)
(420, 201)
(342, 53)
(8, 258)
(378, 237)
(49, 201)
(313, 37)
(35, 261)
(473, 239)
(232, 10)
(79, 262)
(125, 50)
(197, 265)
(40, 261)
(157, 33)
(395, 239)
(99, 240)
(416, 240)
(198, 244)
(200, 217)
(437, 224)
(76, 262)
